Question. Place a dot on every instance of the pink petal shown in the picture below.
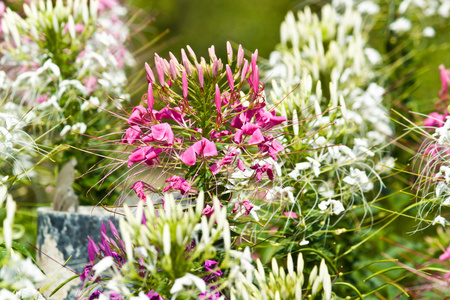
(291, 215)
(188, 157)
(215, 168)
(256, 138)
(240, 165)
(209, 148)
(238, 136)
(163, 132)
(215, 68)
(137, 156)
(137, 115)
(249, 128)
(132, 134)
(254, 59)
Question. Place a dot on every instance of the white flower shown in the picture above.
(336, 206)
(440, 220)
(188, 280)
(304, 242)
(372, 55)
(401, 25)
(103, 265)
(428, 32)
(358, 177)
(368, 7)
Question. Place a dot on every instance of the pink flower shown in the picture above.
(434, 120)
(138, 115)
(132, 134)
(107, 4)
(267, 168)
(445, 255)
(203, 147)
(178, 183)
(138, 187)
(92, 250)
(445, 78)
(90, 84)
(150, 97)
(149, 72)
(208, 211)
(246, 203)
(162, 133)
(144, 153)
(291, 215)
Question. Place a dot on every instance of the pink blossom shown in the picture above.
(178, 183)
(200, 74)
(267, 168)
(138, 187)
(169, 113)
(186, 63)
(229, 52)
(107, 4)
(159, 64)
(208, 211)
(138, 115)
(203, 147)
(246, 203)
(218, 100)
(147, 154)
(434, 120)
(92, 250)
(90, 84)
(445, 255)
(162, 133)
(291, 215)
(132, 134)
(445, 78)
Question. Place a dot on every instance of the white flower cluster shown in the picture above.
(323, 82)
(57, 52)
(281, 284)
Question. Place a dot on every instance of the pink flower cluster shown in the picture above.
(204, 118)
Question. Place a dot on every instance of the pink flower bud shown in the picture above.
(173, 70)
(230, 77)
(254, 59)
(215, 68)
(240, 56)
(229, 52)
(185, 84)
(159, 64)
(200, 74)
(245, 70)
(218, 100)
(212, 53)
(150, 76)
(256, 80)
(186, 63)
(172, 57)
(191, 53)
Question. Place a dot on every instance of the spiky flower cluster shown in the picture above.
(332, 168)
(279, 284)
(165, 253)
(211, 121)
(58, 52)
